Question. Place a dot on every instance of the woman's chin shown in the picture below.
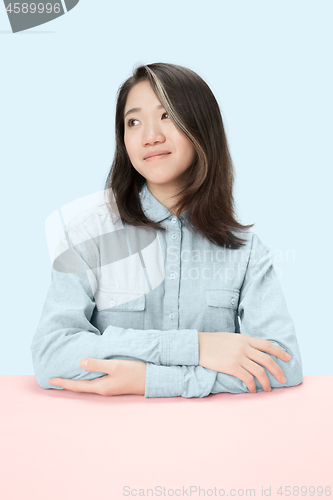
(161, 179)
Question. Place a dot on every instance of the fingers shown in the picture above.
(248, 370)
(259, 372)
(99, 365)
(72, 385)
(267, 346)
(266, 360)
(246, 377)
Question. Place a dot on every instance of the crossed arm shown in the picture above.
(129, 376)
(170, 363)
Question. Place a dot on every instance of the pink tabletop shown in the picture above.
(59, 445)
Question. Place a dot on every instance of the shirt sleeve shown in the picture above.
(264, 314)
(65, 335)
(189, 382)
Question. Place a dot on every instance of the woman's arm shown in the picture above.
(196, 381)
(264, 315)
(65, 335)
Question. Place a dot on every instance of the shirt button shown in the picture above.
(172, 315)
(172, 276)
(112, 303)
(232, 301)
(174, 236)
(174, 220)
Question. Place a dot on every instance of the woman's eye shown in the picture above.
(130, 121)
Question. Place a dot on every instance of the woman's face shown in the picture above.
(150, 130)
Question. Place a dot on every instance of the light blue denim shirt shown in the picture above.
(153, 299)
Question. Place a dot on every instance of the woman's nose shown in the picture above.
(152, 133)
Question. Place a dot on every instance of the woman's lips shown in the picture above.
(157, 157)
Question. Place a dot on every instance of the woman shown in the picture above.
(177, 298)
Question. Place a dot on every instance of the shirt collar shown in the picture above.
(152, 208)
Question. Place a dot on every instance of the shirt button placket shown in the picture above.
(172, 283)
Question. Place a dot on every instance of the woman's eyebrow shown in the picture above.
(135, 110)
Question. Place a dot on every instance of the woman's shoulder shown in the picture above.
(93, 217)
(254, 246)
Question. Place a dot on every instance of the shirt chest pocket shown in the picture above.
(220, 310)
(122, 309)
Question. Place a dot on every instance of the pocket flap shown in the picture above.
(222, 298)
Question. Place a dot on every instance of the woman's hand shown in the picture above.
(125, 376)
(240, 355)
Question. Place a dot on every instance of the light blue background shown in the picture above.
(269, 65)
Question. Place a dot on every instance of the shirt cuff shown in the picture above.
(163, 381)
(180, 347)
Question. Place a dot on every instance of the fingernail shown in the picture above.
(287, 356)
(283, 379)
(83, 363)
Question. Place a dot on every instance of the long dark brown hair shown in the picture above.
(208, 193)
